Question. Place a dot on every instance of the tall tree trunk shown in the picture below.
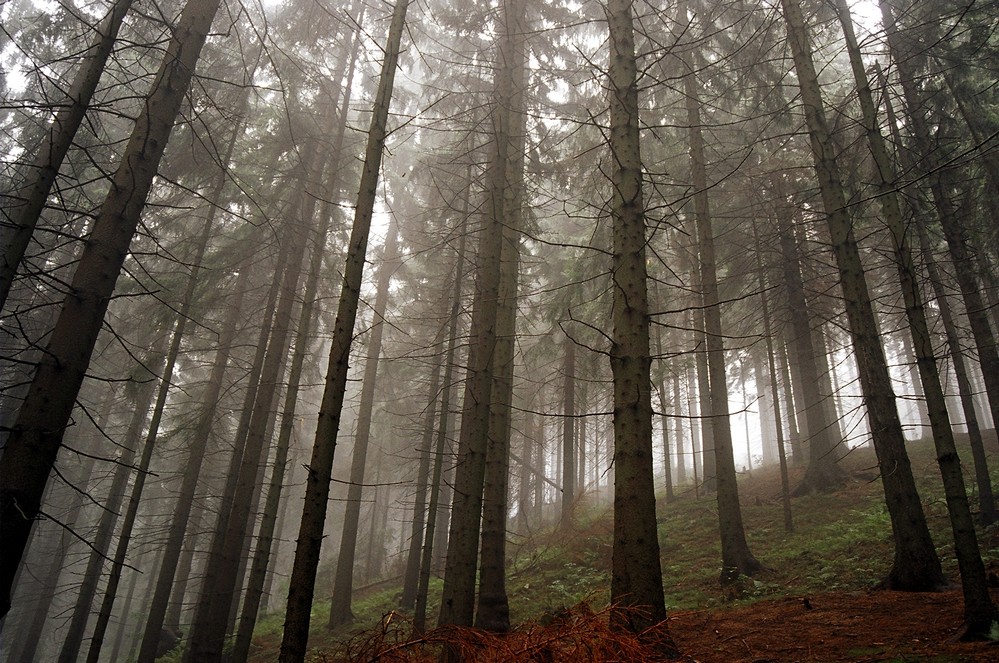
(458, 600)
(124, 536)
(822, 472)
(979, 611)
(737, 559)
(636, 572)
(23, 206)
(143, 398)
(221, 588)
(343, 582)
(443, 420)
(681, 462)
(793, 433)
(34, 442)
(916, 565)
(785, 484)
(411, 576)
(966, 390)
(303, 574)
(568, 429)
(177, 532)
(493, 612)
(265, 538)
(929, 162)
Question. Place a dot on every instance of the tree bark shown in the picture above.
(221, 588)
(177, 532)
(929, 163)
(636, 572)
(979, 611)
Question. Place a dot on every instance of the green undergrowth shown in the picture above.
(841, 542)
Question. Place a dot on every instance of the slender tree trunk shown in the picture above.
(458, 601)
(785, 484)
(916, 565)
(221, 588)
(443, 420)
(192, 471)
(411, 577)
(681, 462)
(789, 403)
(736, 557)
(929, 162)
(822, 472)
(343, 582)
(23, 206)
(493, 612)
(303, 575)
(568, 429)
(144, 392)
(636, 574)
(34, 442)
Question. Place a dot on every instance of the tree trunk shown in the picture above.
(303, 575)
(785, 484)
(916, 566)
(822, 472)
(929, 163)
(736, 557)
(221, 588)
(34, 442)
(636, 572)
(25, 203)
(443, 420)
(343, 582)
(458, 600)
(143, 399)
(568, 430)
(979, 611)
(124, 536)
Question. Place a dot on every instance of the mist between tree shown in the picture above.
(314, 312)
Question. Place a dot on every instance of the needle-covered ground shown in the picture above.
(816, 602)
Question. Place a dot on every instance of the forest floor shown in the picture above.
(838, 626)
(815, 602)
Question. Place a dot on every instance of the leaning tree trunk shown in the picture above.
(636, 572)
(979, 611)
(929, 162)
(785, 483)
(25, 203)
(138, 485)
(303, 574)
(34, 442)
(221, 588)
(443, 418)
(265, 538)
(178, 529)
(822, 472)
(916, 566)
(343, 582)
(104, 534)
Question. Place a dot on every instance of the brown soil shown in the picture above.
(873, 626)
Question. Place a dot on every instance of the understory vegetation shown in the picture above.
(842, 542)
